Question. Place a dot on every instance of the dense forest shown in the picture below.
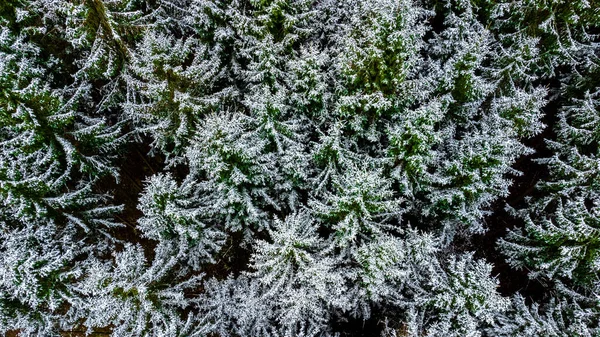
(179, 168)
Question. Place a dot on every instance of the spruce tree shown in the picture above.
(135, 298)
(53, 151)
(173, 216)
(311, 165)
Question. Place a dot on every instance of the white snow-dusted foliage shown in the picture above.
(300, 168)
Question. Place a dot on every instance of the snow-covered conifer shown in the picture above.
(379, 61)
(359, 208)
(466, 143)
(464, 298)
(235, 174)
(52, 153)
(563, 28)
(236, 307)
(174, 80)
(173, 216)
(301, 284)
(556, 318)
(135, 298)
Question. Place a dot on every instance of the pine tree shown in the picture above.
(332, 155)
(390, 272)
(560, 237)
(562, 244)
(559, 242)
(307, 80)
(178, 74)
(561, 26)
(460, 299)
(236, 307)
(464, 298)
(411, 149)
(431, 293)
(270, 38)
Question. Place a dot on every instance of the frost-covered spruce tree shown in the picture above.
(269, 52)
(331, 156)
(308, 80)
(164, 95)
(390, 272)
(300, 283)
(459, 299)
(174, 217)
(92, 39)
(136, 298)
(464, 298)
(558, 317)
(359, 212)
(359, 209)
(378, 63)
(425, 291)
(563, 29)
(562, 228)
(453, 153)
(180, 71)
(559, 242)
(519, 97)
(52, 152)
(291, 288)
(235, 307)
(562, 242)
(235, 175)
(375, 57)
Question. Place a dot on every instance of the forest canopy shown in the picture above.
(179, 168)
